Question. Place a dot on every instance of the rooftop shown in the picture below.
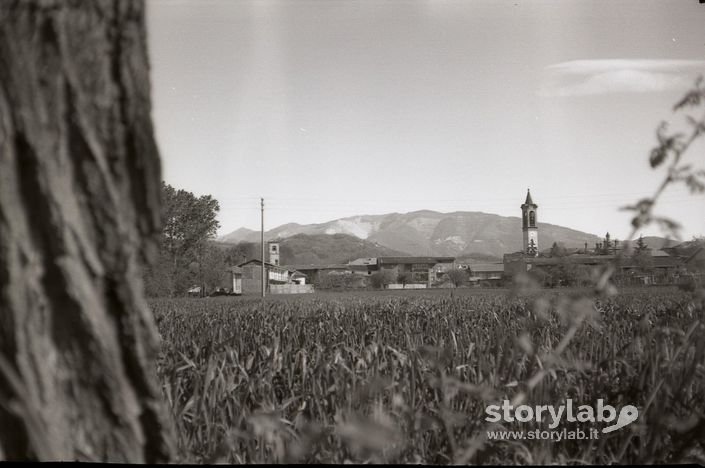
(528, 200)
(407, 260)
(626, 262)
(659, 253)
(259, 262)
(334, 266)
(364, 261)
(486, 267)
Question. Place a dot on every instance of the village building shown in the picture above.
(252, 276)
(297, 277)
(235, 280)
(491, 273)
(486, 272)
(419, 270)
(696, 261)
(363, 266)
(280, 280)
(247, 277)
(311, 271)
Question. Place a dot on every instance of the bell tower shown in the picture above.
(274, 253)
(529, 226)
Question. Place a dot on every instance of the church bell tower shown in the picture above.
(529, 226)
(274, 253)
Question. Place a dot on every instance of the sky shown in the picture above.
(335, 108)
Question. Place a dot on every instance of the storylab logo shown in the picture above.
(601, 413)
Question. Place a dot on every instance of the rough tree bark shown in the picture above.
(79, 215)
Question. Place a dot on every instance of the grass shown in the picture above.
(405, 376)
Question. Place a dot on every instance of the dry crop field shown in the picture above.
(400, 377)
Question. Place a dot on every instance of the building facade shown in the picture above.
(418, 270)
(236, 280)
(252, 276)
(489, 272)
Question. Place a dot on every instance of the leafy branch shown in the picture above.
(671, 148)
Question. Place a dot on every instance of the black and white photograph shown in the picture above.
(424, 232)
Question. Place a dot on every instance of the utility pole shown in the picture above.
(264, 268)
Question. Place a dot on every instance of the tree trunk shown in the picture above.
(79, 216)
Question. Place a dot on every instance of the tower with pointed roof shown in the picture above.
(529, 226)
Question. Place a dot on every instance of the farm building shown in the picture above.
(252, 276)
(696, 261)
(310, 271)
(235, 280)
(297, 277)
(420, 269)
(363, 266)
(477, 272)
(491, 272)
(280, 280)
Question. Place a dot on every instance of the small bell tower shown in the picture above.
(274, 253)
(529, 226)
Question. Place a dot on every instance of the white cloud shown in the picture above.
(595, 77)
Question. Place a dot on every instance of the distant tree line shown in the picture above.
(189, 255)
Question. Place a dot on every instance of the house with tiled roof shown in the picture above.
(486, 272)
(251, 271)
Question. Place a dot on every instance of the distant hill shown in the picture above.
(239, 235)
(314, 249)
(687, 248)
(425, 232)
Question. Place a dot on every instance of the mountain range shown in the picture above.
(459, 234)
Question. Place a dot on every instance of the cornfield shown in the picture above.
(406, 377)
